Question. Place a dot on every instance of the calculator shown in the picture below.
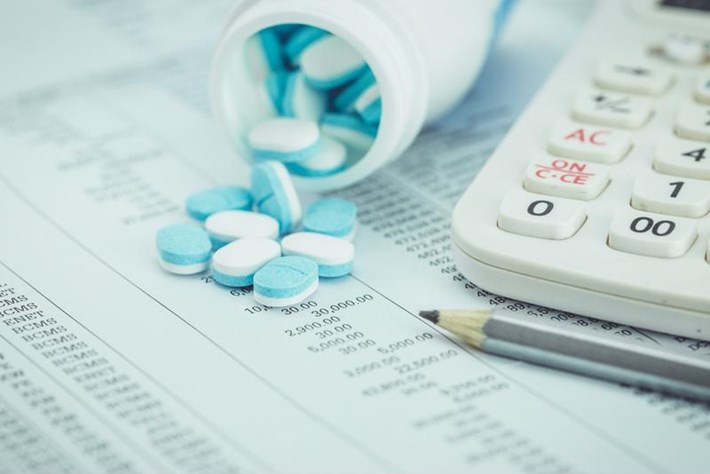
(597, 201)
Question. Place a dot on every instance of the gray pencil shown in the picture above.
(510, 336)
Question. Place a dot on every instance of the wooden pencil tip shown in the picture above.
(432, 316)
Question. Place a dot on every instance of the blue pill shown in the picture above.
(351, 130)
(348, 121)
(284, 139)
(275, 194)
(275, 84)
(331, 216)
(183, 249)
(203, 204)
(333, 255)
(345, 100)
(235, 264)
(273, 51)
(373, 112)
(286, 281)
(331, 159)
(285, 30)
(299, 100)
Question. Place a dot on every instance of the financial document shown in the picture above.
(108, 364)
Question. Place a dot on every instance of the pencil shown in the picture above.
(508, 335)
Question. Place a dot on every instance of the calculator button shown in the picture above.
(540, 216)
(611, 109)
(702, 90)
(685, 49)
(654, 235)
(671, 195)
(693, 122)
(683, 158)
(566, 178)
(588, 142)
(632, 77)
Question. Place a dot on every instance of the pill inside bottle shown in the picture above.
(303, 72)
(368, 74)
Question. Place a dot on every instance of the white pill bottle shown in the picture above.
(425, 56)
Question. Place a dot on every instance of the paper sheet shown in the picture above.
(109, 364)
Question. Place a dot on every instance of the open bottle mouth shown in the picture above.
(303, 73)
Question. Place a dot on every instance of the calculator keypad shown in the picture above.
(685, 158)
(589, 142)
(612, 109)
(540, 216)
(693, 122)
(637, 78)
(660, 219)
(564, 177)
(671, 195)
(654, 235)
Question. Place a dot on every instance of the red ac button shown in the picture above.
(589, 142)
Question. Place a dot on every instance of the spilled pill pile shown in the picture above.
(325, 111)
(322, 100)
(247, 238)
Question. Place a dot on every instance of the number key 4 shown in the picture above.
(683, 158)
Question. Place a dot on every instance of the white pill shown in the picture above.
(330, 63)
(370, 95)
(286, 281)
(183, 249)
(350, 130)
(256, 59)
(227, 226)
(275, 194)
(269, 94)
(265, 54)
(265, 96)
(234, 265)
(331, 159)
(300, 100)
(369, 105)
(284, 139)
(331, 216)
(333, 255)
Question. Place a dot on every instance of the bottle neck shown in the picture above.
(383, 43)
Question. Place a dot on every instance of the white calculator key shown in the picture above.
(693, 122)
(540, 216)
(637, 78)
(589, 142)
(566, 178)
(649, 234)
(683, 158)
(612, 109)
(702, 89)
(684, 49)
(671, 195)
